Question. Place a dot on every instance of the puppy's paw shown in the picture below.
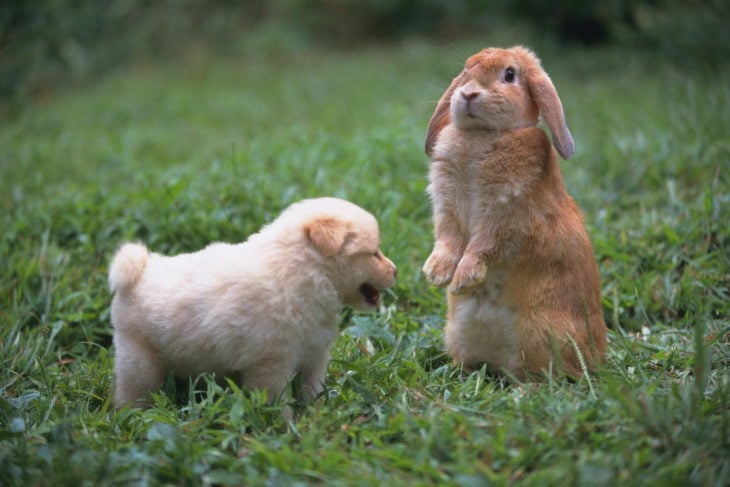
(440, 266)
(470, 273)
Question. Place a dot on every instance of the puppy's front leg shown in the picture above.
(312, 376)
(271, 379)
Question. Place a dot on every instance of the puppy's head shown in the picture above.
(348, 241)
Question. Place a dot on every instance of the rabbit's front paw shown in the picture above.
(440, 266)
(470, 273)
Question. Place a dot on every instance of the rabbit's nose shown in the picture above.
(469, 95)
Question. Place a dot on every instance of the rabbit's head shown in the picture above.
(501, 89)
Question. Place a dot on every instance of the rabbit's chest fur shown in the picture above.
(488, 179)
(487, 176)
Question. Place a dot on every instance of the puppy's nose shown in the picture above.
(395, 271)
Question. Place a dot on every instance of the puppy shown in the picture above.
(258, 312)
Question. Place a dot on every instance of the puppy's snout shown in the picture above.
(392, 266)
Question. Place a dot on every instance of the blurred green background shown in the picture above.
(180, 123)
(47, 44)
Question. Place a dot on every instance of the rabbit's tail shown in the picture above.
(127, 267)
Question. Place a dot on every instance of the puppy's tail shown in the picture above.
(127, 267)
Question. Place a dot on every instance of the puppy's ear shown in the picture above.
(441, 116)
(327, 234)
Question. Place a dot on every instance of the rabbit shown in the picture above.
(510, 243)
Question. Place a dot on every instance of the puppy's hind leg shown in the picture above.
(138, 372)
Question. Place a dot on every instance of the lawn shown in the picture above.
(205, 148)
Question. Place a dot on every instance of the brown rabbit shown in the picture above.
(523, 286)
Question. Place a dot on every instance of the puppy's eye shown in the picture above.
(509, 75)
(376, 254)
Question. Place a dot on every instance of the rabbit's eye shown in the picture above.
(509, 75)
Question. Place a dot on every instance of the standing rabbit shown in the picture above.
(523, 285)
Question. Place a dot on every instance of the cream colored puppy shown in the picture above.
(259, 312)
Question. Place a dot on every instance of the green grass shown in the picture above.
(210, 149)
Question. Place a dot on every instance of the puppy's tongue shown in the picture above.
(372, 296)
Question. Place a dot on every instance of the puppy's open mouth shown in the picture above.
(371, 295)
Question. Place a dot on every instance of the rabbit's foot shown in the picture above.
(470, 273)
(440, 266)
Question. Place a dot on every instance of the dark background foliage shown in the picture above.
(45, 44)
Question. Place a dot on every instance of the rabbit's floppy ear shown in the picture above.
(441, 116)
(546, 96)
(327, 234)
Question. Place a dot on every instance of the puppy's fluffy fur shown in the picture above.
(510, 241)
(259, 312)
